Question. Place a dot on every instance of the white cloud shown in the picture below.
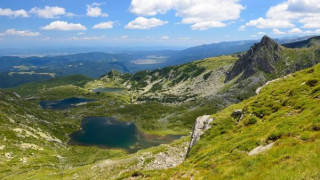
(89, 38)
(71, 15)
(311, 22)
(270, 23)
(13, 32)
(277, 31)
(81, 33)
(104, 25)
(64, 26)
(261, 33)
(165, 37)
(290, 12)
(46, 39)
(124, 37)
(48, 12)
(309, 6)
(201, 14)
(295, 31)
(94, 10)
(13, 13)
(145, 23)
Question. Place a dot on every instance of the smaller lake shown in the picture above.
(111, 133)
(114, 90)
(64, 103)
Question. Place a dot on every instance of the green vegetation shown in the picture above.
(34, 141)
(282, 122)
(285, 112)
(35, 88)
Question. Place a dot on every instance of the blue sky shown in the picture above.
(172, 23)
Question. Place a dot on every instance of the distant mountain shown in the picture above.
(18, 70)
(305, 43)
(292, 39)
(210, 50)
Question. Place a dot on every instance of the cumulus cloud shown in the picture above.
(48, 12)
(201, 14)
(94, 10)
(284, 15)
(13, 13)
(270, 23)
(13, 32)
(64, 26)
(145, 23)
(277, 31)
(295, 31)
(310, 22)
(104, 25)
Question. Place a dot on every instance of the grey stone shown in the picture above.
(203, 123)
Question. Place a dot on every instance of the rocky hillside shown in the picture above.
(261, 137)
(274, 135)
(232, 78)
(271, 58)
(176, 83)
(262, 56)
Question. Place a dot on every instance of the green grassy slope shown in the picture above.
(286, 113)
(33, 142)
(174, 83)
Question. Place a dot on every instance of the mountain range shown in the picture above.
(248, 115)
(16, 70)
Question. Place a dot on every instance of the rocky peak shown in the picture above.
(267, 40)
(261, 56)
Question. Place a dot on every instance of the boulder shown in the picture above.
(203, 123)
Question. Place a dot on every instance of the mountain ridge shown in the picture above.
(167, 101)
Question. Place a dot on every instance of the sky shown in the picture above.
(168, 23)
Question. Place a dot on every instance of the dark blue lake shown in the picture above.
(114, 90)
(111, 133)
(64, 103)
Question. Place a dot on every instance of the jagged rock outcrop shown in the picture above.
(203, 123)
(261, 56)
